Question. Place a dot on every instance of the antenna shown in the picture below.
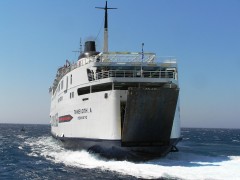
(142, 51)
(80, 45)
(105, 45)
(80, 49)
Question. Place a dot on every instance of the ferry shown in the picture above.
(121, 105)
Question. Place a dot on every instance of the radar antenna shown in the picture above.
(80, 49)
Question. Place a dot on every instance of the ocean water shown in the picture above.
(34, 154)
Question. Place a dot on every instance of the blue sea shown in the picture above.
(34, 154)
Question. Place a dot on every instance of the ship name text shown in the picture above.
(82, 111)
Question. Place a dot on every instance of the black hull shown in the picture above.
(113, 149)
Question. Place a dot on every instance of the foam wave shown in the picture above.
(176, 165)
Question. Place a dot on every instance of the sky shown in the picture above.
(36, 37)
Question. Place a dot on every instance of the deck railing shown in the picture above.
(132, 74)
(138, 59)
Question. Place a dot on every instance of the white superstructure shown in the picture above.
(124, 100)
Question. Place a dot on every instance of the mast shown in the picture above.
(105, 45)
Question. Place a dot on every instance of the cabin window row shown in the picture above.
(99, 88)
(93, 89)
(61, 84)
(110, 86)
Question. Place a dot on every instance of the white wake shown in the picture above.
(176, 165)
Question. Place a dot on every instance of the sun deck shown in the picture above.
(124, 66)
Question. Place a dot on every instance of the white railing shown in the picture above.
(126, 57)
(132, 74)
(136, 58)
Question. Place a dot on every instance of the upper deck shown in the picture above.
(129, 66)
(129, 59)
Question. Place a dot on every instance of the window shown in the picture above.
(61, 84)
(66, 83)
(71, 79)
(84, 90)
(102, 87)
(90, 75)
(94, 89)
(71, 95)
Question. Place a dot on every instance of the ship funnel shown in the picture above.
(89, 50)
(90, 46)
